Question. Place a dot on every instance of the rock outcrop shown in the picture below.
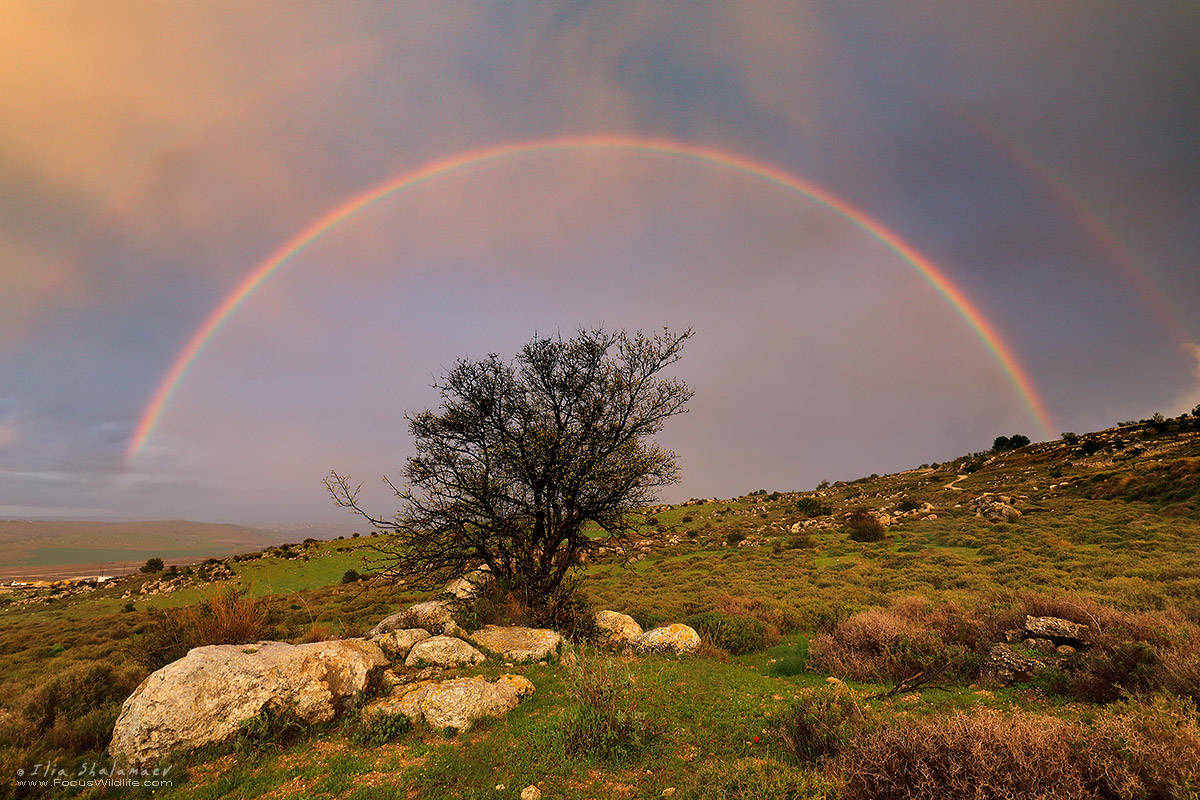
(1057, 630)
(1006, 666)
(673, 640)
(617, 630)
(997, 507)
(517, 644)
(1044, 640)
(457, 703)
(1050, 635)
(206, 695)
(443, 651)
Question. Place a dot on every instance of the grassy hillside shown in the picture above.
(789, 589)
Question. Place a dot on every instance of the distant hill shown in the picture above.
(45, 549)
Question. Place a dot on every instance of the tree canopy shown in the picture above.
(529, 464)
(1003, 443)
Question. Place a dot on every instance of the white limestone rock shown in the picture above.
(431, 615)
(443, 651)
(398, 643)
(516, 643)
(674, 640)
(457, 703)
(205, 696)
(617, 630)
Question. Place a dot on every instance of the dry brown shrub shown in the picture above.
(1135, 652)
(894, 643)
(1133, 751)
(1106, 623)
(1076, 608)
(712, 650)
(317, 632)
(986, 755)
(227, 617)
(1181, 663)
(1144, 750)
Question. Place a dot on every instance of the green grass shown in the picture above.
(1128, 553)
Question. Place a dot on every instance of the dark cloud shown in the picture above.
(151, 158)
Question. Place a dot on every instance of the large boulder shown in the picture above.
(617, 630)
(443, 651)
(1059, 631)
(397, 644)
(205, 696)
(431, 615)
(457, 703)
(673, 640)
(517, 644)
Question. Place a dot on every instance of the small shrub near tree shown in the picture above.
(498, 601)
(376, 728)
(605, 719)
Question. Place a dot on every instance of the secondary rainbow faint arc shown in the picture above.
(963, 306)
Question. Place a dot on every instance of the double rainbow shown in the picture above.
(969, 312)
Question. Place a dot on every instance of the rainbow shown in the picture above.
(1082, 214)
(969, 312)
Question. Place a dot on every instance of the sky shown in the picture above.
(240, 240)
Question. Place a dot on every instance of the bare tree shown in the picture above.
(530, 464)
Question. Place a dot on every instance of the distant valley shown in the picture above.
(48, 550)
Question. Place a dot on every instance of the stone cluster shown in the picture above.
(208, 694)
(1039, 642)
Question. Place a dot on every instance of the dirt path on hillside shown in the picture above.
(951, 485)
